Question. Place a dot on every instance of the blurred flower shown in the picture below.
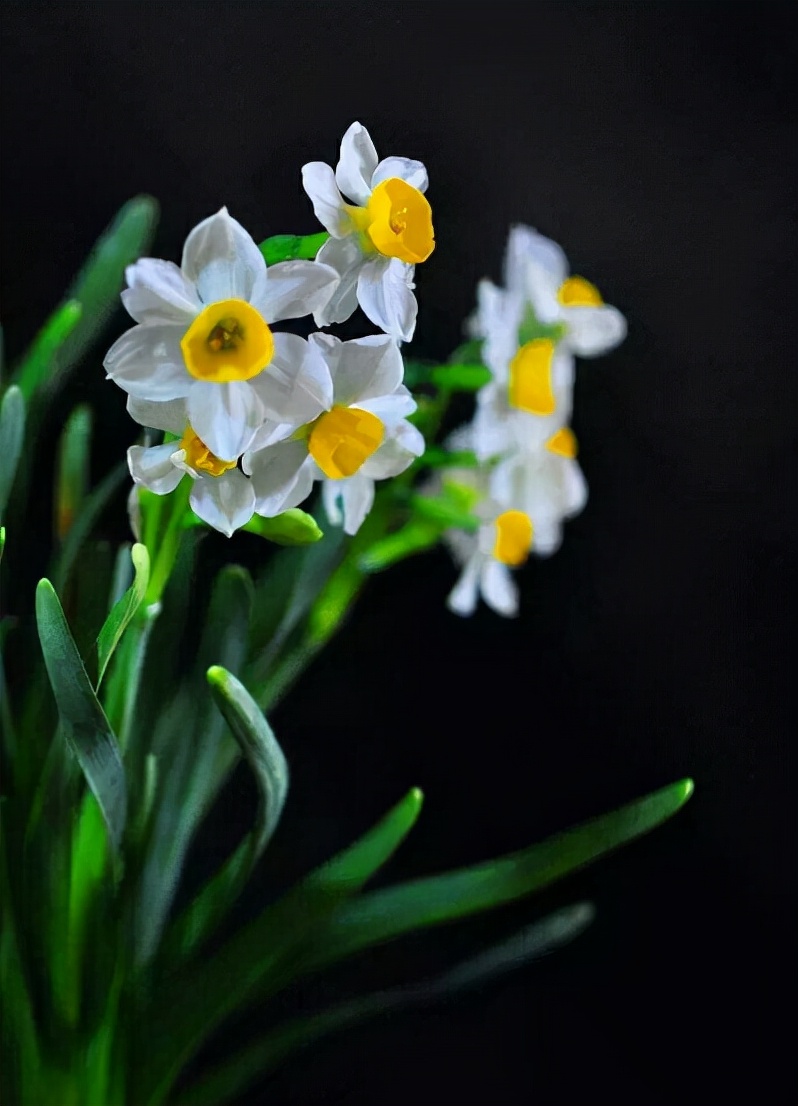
(360, 434)
(377, 239)
(204, 334)
(221, 494)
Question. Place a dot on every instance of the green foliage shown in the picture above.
(12, 435)
(123, 610)
(290, 247)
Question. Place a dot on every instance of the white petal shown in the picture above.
(222, 259)
(291, 289)
(356, 165)
(498, 588)
(171, 415)
(365, 368)
(318, 180)
(385, 292)
(575, 491)
(225, 416)
(463, 596)
(397, 452)
(147, 361)
(330, 497)
(546, 536)
(226, 502)
(281, 476)
(389, 409)
(502, 316)
(152, 467)
(593, 330)
(405, 169)
(489, 313)
(158, 292)
(296, 386)
(525, 248)
(491, 428)
(357, 497)
(345, 256)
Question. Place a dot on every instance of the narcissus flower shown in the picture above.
(221, 495)
(360, 434)
(204, 334)
(532, 329)
(377, 238)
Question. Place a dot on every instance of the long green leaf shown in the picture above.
(72, 478)
(233, 1076)
(124, 610)
(384, 915)
(97, 286)
(93, 507)
(265, 757)
(12, 435)
(37, 365)
(262, 956)
(83, 721)
(192, 767)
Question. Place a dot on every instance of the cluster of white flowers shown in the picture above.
(260, 415)
(527, 480)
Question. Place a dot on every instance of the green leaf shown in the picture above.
(444, 513)
(292, 527)
(93, 506)
(469, 352)
(229, 1079)
(37, 365)
(2, 542)
(436, 457)
(12, 435)
(124, 610)
(259, 746)
(268, 765)
(417, 536)
(73, 469)
(83, 721)
(384, 915)
(98, 284)
(193, 766)
(461, 378)
(289, 247)
(261, 957)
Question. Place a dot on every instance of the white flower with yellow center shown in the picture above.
(532, 329)
(360, 434)
(377, 238)
(221, 495)
(204, 335)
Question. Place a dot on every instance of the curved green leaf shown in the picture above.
(12, 435)
(83, 721)
(72, 478)
(292, 527)
(230, 1078)
(384, 915)
(262, 956)
(461, 378)
(123, 611)
(36, 366)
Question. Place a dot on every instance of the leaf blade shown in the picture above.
(12, 436)
(85, 726)
(123, 610)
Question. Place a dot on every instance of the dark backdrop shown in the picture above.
(653, 141)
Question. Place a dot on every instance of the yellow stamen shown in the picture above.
(397, 221)
(530, 377)
(200, 458)
(513, 537)
(341, 440)
(228, 340)
(578, 292)
(563, 442)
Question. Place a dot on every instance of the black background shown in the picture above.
(654, 142)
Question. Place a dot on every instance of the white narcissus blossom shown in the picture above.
(203, 335)
(377, 239)
(360, 434)
(532, 329)
(523, 501)
(221, 495)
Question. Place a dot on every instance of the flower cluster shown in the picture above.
(255, 416)
(527, 480)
